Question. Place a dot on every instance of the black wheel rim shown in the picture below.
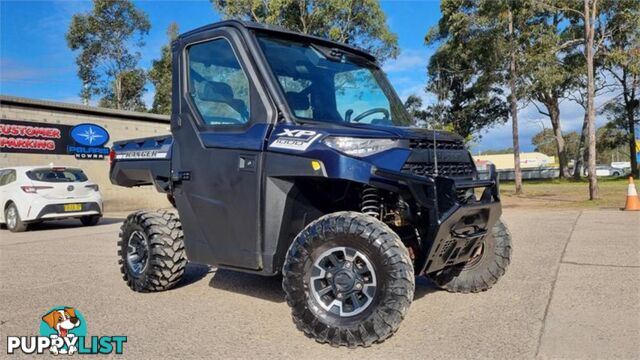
(343, 281)
(137, 252)
(475, 258)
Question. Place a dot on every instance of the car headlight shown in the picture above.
(360, 147)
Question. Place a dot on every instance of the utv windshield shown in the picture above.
(329, 85)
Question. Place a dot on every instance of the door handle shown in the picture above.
(180, 176)
(247, 163)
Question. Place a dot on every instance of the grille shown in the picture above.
(440, 145)
(444, 169)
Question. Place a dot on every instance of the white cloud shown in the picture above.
(408, 60)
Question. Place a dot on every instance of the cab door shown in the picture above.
(219, 126)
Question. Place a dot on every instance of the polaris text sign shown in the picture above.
(89, 140)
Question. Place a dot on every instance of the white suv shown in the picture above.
(34, 194)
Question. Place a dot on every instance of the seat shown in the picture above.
(298, 101)
(223, 93)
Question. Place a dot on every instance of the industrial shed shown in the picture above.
(36, 132)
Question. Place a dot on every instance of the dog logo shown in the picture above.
(65, 323)
(63, 330)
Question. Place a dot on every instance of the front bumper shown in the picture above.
(450, 230)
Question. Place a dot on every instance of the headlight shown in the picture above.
(360, 147)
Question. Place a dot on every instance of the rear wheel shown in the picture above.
(90, 220)
(151, 250)
(12, 219)
(484, 269)
(348, 280)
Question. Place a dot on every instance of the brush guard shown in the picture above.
(451, 230)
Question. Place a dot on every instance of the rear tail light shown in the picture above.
(93, 187)
(112, 156)
(34, 189)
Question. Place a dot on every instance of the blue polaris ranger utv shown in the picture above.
(292, 154)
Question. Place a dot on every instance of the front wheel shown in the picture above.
(484, 269)
(348, 280)
(151, 251)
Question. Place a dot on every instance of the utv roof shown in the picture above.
(282, 33)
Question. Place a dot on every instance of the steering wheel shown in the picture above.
(363, 115)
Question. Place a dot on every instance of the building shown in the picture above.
(37, 132)
(506, 161)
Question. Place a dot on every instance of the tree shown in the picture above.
(548, 78)
(513, 97)
(356, 22)
(160, 75)
(463, 72)
(622, 61)
(578, 94)
(498, 151)
(618, 126)
(545, 142)
(131, 84)
(429, 117)
(413, 105)
(589, 18)
(481, 43)
(611, 143)
(106, 65)
(593, 23)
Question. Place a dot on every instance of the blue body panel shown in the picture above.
(338, 165)
(245, 139)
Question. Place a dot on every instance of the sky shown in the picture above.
(35, 61)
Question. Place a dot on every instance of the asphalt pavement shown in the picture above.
(572, 291)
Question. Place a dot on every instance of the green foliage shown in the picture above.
(105, 37)
(548, 77)
(621, 58)
(358, 22)
(413, 105)
(545, 142)
(618, 123)
(160, 75)
(468, 68)
(429, 117)
(508, 150)
(611, 144)
(131, 83)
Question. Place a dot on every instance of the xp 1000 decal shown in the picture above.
(295, 139)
